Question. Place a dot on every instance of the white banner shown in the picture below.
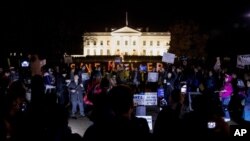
(153, 77)
(139, 99)
(150, 98)
(243, 60)
(147, 99)
(149, 120)
(168, 57)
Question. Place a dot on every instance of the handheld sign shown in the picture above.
(148, 99)
(168, 57)
(139, 99)
(153, 76)
(160, 92)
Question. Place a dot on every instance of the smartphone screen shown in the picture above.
(211, 125)
(184, 89)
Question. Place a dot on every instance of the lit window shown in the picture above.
(101, 43)
(117, 52)
(108, 52)
(151, 43)
(108, 42)
(134, 43)
(144, 43)
(101, 52)
(126, 43)
(158, 43)
(134, 52)
(88, 52)
(118, 43)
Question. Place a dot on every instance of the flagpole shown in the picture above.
(126, 18)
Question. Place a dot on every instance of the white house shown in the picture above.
(125, 41)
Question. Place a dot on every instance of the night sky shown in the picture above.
(59, 25)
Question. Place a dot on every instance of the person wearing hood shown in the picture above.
(225, 96)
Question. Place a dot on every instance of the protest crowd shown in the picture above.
(193, 100)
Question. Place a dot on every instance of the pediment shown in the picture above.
(126, 30)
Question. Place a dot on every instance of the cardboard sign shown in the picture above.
(243, 60)
(153, 77)
(168, 57)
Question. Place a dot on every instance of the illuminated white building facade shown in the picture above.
(126, 41)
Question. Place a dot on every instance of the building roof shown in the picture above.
(97, 34)
(127, 31)
(155, 33)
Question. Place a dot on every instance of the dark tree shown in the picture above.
(187, 39)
